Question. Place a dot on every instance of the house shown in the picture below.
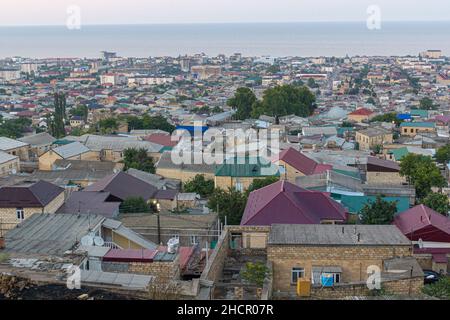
(293, 164)
(361, 115)
(284, 202)
(9, 164)
(184, 171)
(430, 232)
(189, 229)
(343, 252)
(71, 151)
(411, 129)
(90, 203)
(15, 148)
(122, 186)
(76, 121)
(112, 148)
(370, 138)
(18, 203)
(93, 243)
(240, 172)
(379, 171)
(39, 143)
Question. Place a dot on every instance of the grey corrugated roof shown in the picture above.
(50, 234)
(5, 157)
(70, 150)
(342, 235)
(165, 162)
(119, 144)
(39, 139)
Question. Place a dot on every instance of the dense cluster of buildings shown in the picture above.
(62, 198)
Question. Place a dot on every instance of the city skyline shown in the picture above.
(101, 12)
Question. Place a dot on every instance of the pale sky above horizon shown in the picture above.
(53, 12)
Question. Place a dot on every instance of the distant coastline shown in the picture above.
(251, 39)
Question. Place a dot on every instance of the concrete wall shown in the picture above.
(392, 178)
(8, 167)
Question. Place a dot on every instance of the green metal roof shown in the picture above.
(353, 174)
(354, 204)
(247, 167)
(419, 112)
(418, 124)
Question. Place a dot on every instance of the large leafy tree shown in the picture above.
(13, 128)
(147, 122)
(285, 100)
(438, 202)
(138, 159)
(229, 203)
(443, 154)
(426, 103)
(422, 173)
(108, 126)
(243, 102)
(379, 212)
(199, 184)
(80, 111)
(261, 183)
(56, 120)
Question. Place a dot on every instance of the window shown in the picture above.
(337, 277)
(175, 236)
(20, 214)
(238, 186)
(194, 240)
(297, 273)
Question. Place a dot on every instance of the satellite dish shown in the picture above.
(99, 242)
(87, 241)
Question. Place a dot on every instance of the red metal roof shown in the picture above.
(163, 139)
(424, 223)
(361, 112)
(300, 162)
(286, 203)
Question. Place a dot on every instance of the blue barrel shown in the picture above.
(327, 280)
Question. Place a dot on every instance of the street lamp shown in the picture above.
(158, 210)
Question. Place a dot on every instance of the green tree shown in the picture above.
(138, 159)
(273, 69)
(200, 185)
(56, 120)
(147, 122)
(379, 212)
(135, 205)
(285, 100)
(422, 173)
(312, 83)
(443, 154)
(426, 103)
(438, 202)
(255, 273)
(80, 111)
(261, 183)
(371, 100)
(230, 204)
(108, 126)
(14, 128)
(242, 102)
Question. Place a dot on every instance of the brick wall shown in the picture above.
(353, 260)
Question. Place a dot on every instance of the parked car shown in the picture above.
(431, 276)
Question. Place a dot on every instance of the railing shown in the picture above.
(112, 245)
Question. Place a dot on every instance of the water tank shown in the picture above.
(327, 280)
(172, 245)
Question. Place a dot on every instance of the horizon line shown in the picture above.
(209, 23)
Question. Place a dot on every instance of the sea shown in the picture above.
(251, 39)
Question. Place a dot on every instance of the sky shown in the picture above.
(98, 12)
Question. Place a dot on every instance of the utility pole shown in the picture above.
(158, 221)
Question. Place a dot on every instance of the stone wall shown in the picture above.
(400, 287)
(353, 260)
(213, 270)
